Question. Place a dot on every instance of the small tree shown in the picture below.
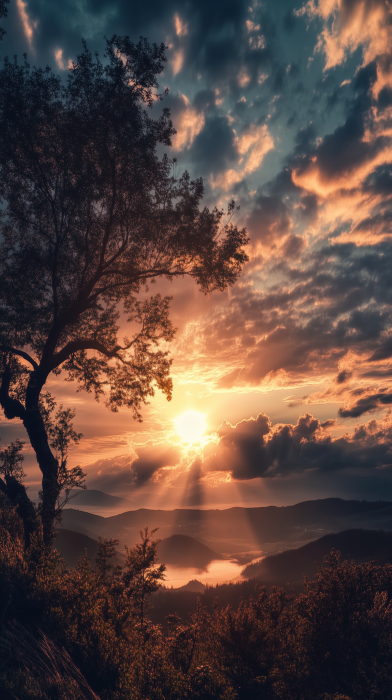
(89, 216)
(142, 575)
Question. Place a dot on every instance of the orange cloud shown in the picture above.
(314, 179)
(350, 25)
(189, 123)
(252, 146)
(177, 61)
(28, 24)
(58, 55)
(243, 77)
(180, 26)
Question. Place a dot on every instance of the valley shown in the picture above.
(215, 546)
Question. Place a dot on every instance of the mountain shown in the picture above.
(72, 545)
(92, 497)
(86, 523)
(193, 586)
(178, 550)
(358, 545)
(232, 531)
(185, 552)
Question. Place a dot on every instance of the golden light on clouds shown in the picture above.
(59, 58)
(178, 60)
(191, 426)
(188, 125)
(180, 26)
(28, 25)
(251, 146)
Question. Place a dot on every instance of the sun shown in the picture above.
(191, 426)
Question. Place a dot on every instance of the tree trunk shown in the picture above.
(47, 462)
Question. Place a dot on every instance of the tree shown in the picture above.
(89, 217)
(3, 13)
(142, 576)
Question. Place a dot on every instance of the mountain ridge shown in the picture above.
(234, 530)
(358, 545)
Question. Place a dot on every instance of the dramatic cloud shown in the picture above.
(289, 111)
(349, 25)
(251, 449)
(130, 472)
(254, 448)
(189, 122)
(251, 146)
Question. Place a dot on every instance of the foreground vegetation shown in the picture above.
(86, 633)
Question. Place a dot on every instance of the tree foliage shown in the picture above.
(3, 13)
(333, 641)
(89, 217)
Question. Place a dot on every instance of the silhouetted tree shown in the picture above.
(142, 575)
(3, 13)
(89, 216)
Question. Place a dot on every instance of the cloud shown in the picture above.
(269, 219)
(177, 61)
(349, 24)
(314, 305)
(214, 148)
(345, 158)
(383, 351)
(180, 26)
(189, 121)
(58, 55)
(366, 404)
(28, 24)
(254, 448)
(252, 145)
(295, 319)
(127, 472)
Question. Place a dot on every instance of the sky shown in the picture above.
(287, 108)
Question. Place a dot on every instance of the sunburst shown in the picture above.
(191, 426)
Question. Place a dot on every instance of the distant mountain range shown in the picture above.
(357, 545)
(93, 497)
(232, 531)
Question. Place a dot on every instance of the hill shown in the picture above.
(233, 531)
(72, 545)
(193, 586)
(358, 545)
(93, 497)
(186, 552)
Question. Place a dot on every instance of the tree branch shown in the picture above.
(21, 353)
(146, 273)
(86, 344)
(13, 408)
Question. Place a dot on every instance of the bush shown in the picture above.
(90, 626)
